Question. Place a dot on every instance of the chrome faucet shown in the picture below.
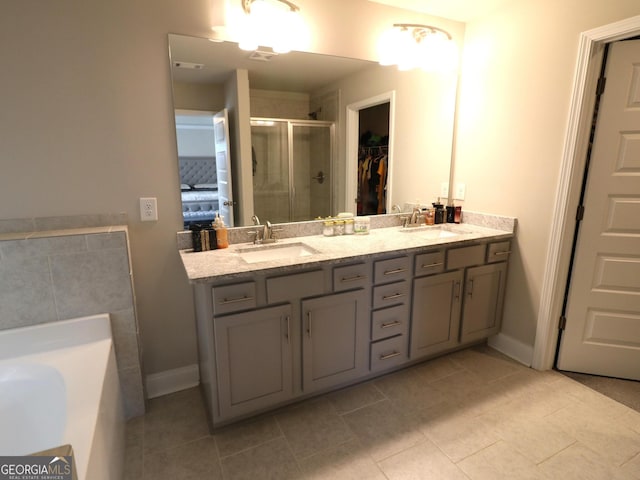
(415, 216)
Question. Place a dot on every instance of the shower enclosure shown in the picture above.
(292, 168)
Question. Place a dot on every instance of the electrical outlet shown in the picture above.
(444, 189)
(148, 209)
(461, 189)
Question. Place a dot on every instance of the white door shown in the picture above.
(223, 165)
(602, 334)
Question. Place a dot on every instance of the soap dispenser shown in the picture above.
(439, 213)
(222, 237)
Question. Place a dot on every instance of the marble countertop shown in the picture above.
(226, 264)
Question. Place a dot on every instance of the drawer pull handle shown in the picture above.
(391, 324)
(506, 252)
(355, 278)
(227, 301)
(389, 355)
(393, 272)
(470, 289)
(393, 296)
(433, 265)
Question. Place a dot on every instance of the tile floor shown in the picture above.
(472, 414)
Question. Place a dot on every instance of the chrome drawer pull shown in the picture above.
(395, 295)
(393, 272)
(389, 355)
(227, 301)
(507, 252)
(433, 265)
(355, 278)
(392, 324)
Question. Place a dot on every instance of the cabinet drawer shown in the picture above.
(297, 285)
(233, 298)
(389, 322)
(391, 270)
(351, 276)
(392, 294)
(429, 263)
(498, 252)
(465, 256)
(388, 353)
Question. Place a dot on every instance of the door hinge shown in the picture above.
(563, 322)
(580, 213)
(602, 81)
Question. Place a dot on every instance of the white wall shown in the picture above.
(87, 126)
(518, 70)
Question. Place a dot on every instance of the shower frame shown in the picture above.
(291, 124)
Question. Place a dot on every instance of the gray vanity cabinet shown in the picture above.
(435, 318)
(483, 300)
(335, 339)
(253, 360)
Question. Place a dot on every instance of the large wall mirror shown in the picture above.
(298, 136)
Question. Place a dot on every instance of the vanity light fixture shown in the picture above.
(271, 23)
(412, 45)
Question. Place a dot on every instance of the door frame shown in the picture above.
(353, 110)
(590, 54)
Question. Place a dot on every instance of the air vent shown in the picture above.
(262, 56)
(189, 65)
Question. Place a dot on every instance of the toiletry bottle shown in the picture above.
(439, 213)
(222, 238)
(429, 217)
(450, 213)
(458, 214)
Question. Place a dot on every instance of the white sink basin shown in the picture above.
(268, 253)
(431, 232)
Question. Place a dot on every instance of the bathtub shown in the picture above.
(59, 385)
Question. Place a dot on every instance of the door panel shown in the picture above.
(602, 334)
(223, 165)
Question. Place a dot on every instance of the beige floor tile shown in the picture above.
(422, 461)
(407, 391)
(631, 469)
(612, 440)
(580, 463)
(535, 438)
(173, 420)
(383, 429)
(352, 398)
(437, 369)
(345, 462)
(312, 427)
(458, 435)
(607, 407)
(236, 438)
(270, 461)
(500, 461)
(191, 461)
(458, 387)
(487, 367)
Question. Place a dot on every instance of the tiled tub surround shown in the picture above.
(47, 276)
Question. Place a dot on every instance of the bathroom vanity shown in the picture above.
(281, 322)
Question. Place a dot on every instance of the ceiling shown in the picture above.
(460, 10)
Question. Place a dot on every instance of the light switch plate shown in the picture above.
(461, 190)
(444, 189)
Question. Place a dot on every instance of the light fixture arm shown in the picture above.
(419, 28)
(246, 5)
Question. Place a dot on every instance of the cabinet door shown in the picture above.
(483, 299)
(253, 360)
(335, 339)
(435, 318)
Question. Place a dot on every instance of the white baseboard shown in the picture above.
(520, 352)
(171, 381)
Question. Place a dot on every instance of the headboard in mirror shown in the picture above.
(301, 141)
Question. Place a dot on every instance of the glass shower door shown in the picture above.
(271, 180)
(311, 144)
